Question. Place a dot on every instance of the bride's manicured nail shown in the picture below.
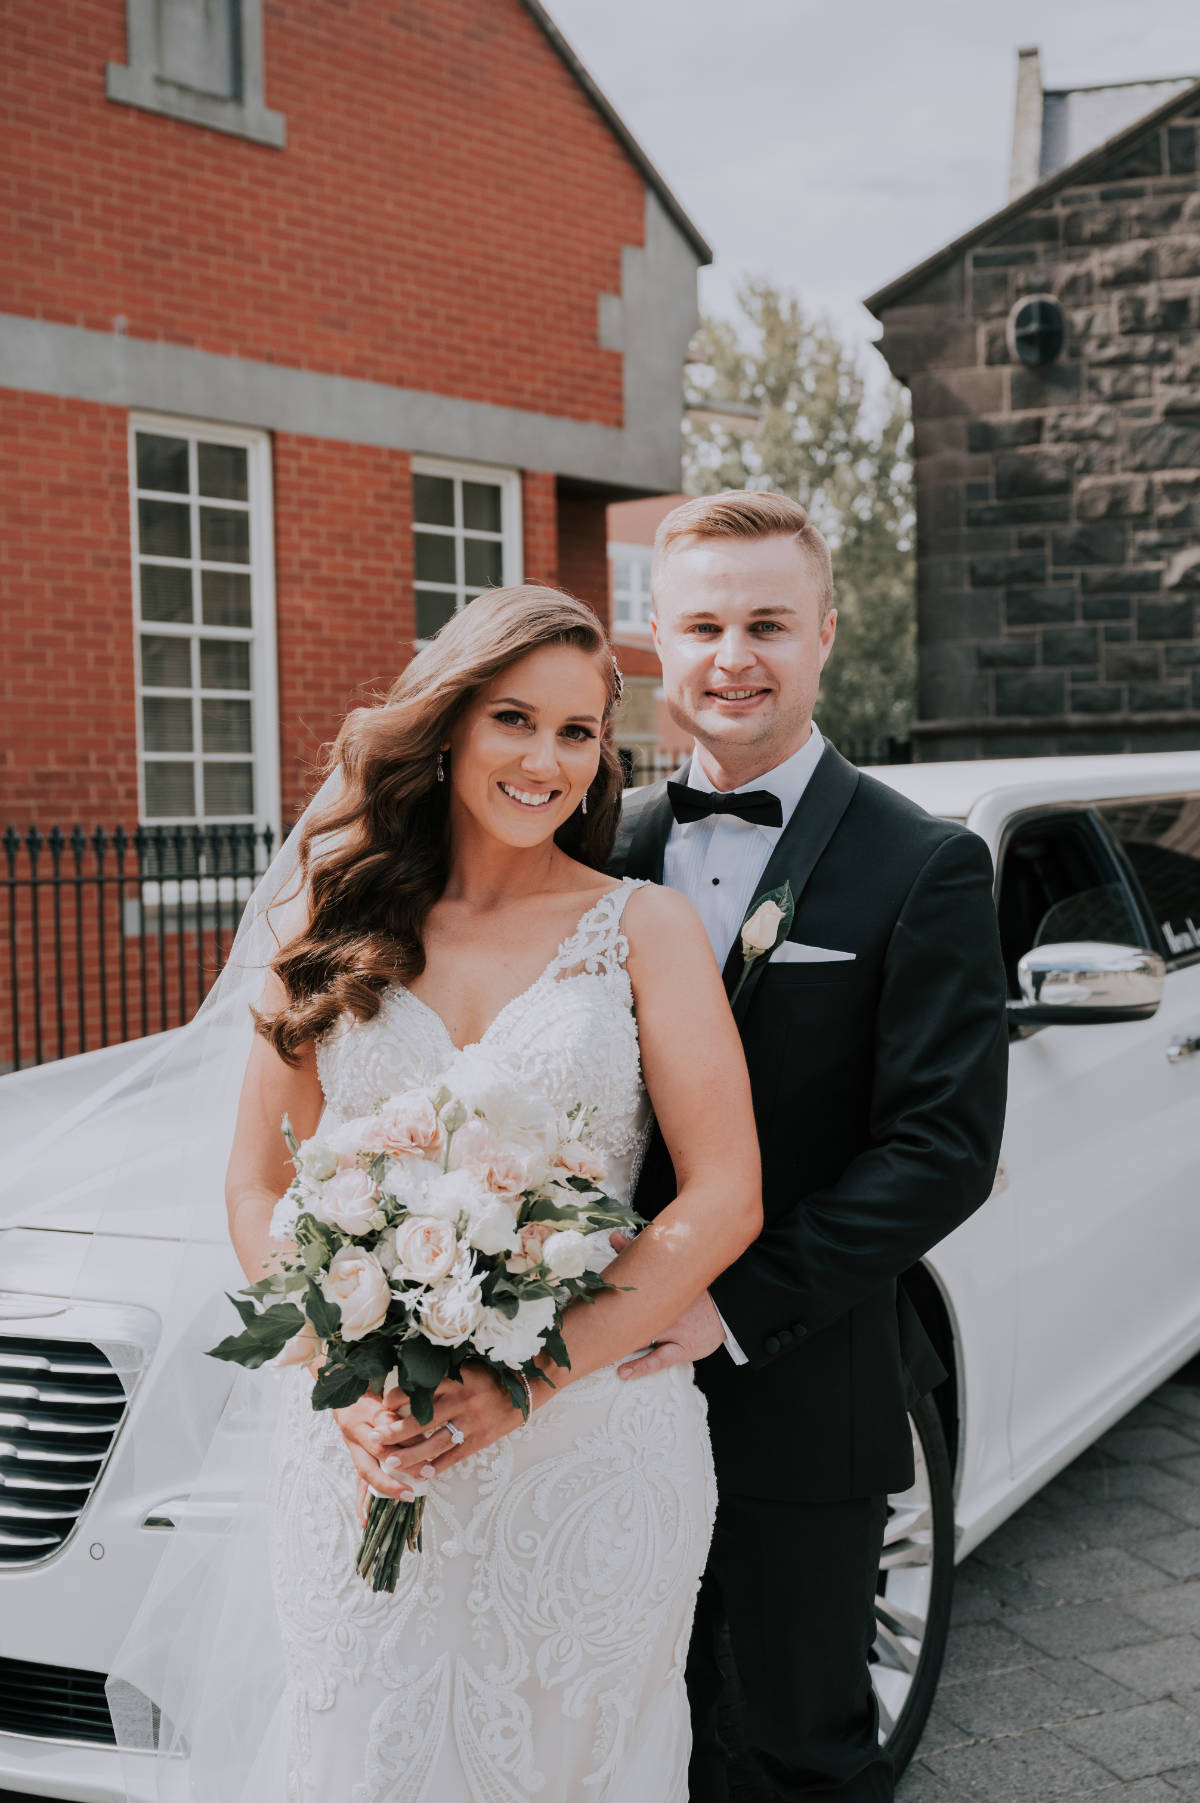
(392, 1465)
(428, 1471)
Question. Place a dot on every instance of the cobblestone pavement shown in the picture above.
(1073, 1668)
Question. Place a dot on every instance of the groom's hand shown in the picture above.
(697, 1332)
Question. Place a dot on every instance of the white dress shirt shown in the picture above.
(718, 863)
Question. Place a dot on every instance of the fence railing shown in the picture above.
(107, 936)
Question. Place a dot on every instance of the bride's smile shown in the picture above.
(525, 752)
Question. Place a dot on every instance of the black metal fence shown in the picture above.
(107, 936)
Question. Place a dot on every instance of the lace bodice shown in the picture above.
(571, 1037)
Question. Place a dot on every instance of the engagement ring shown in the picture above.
(456, 1434)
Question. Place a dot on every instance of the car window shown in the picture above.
(1161, 839)
(1059, 884)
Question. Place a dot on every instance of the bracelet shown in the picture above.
(528, 1394)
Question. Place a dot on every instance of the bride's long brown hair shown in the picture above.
(386, 858)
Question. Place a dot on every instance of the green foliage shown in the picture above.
(265, 1334)
(820, 438)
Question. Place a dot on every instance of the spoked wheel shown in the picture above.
(916, 1583)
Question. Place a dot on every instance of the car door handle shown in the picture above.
(1182, 1048)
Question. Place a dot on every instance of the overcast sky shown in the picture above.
(832, 146)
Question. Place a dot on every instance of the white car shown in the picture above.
(1056, 1308)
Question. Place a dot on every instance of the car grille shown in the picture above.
(53, 1702)
(61, 1404)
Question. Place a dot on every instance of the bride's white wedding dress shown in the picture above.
(536, 1647)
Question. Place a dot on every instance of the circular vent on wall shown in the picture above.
(1036, 330)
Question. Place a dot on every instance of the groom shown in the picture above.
(878, 1055)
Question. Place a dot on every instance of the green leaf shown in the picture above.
(246, 1310)
(422, 1365)
(293, 1144)
(267, 1334)
(513, 1387)
(325, 1316)
(422, 1406)
(555, 1345)
(339, 1385)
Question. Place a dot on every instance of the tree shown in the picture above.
(813, 432)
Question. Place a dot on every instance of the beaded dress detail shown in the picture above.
(536, 1647)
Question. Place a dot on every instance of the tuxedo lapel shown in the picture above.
(797, 853)
(648, 842)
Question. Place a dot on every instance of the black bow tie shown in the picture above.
(758, 806)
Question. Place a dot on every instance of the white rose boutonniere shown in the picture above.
(767, 923)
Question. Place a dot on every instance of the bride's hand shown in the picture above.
(361, 1426)
(480, 1410)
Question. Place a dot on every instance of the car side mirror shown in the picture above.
(1088, 984)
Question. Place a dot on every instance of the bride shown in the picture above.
(455, 897)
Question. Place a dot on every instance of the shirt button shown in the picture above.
(716, 880)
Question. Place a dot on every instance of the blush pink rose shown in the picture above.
(406, 1126)
(347, 1201)
(582, 1161)
(356, 1282)
(533, 1237)
(497, 1164)
(425, 1248)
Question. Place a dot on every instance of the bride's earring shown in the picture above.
(583, 807)
(441, 767)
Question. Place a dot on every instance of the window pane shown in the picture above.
(224, 664)
(481, 507)
(433, 500)
(164, 529)
(621, 611)
(170, 791)
(433, 610)
(435, 558)
(166, 592)
(225, 725)
(222, 470)
(162, 463)
(166, 724)
(483, 561)
(224, 535)
(228, 789)
(1162, 841)
(225, 598)
(166, 663)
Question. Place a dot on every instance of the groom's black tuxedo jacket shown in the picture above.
(879, 1086)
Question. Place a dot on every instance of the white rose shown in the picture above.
(317, 1160)
(301, 1349)
(454, 1194)
(582, 1161)
(514, 1342)
(493, 1229)
(425, 1248)
(347, 1201)
(566, 1253)
(451, 1311)
(600, 1250)
(762, 929)
(408, 1182)
(355, 1281)
(345, 1141)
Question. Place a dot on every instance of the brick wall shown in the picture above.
(67, 722)
(1059, 506)
(447, 210)
(583, 547)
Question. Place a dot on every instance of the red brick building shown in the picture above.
(315, 321)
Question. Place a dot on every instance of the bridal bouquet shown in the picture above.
(453, 1223)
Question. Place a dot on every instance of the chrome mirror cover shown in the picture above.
(1088, 983)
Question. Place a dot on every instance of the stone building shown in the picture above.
(1053, 356)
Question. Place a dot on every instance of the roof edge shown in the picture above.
(618, 127)
(1061, 178)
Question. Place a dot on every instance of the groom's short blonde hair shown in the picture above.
(745, 513)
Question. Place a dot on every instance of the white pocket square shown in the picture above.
(792, 952)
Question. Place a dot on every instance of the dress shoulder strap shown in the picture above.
(598, 945)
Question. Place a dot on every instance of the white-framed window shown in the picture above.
(466, 536)
(631, 587)
(204, 611)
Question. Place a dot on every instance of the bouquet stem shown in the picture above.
(391, 1527)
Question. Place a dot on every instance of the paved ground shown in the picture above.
(1073, 1668)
